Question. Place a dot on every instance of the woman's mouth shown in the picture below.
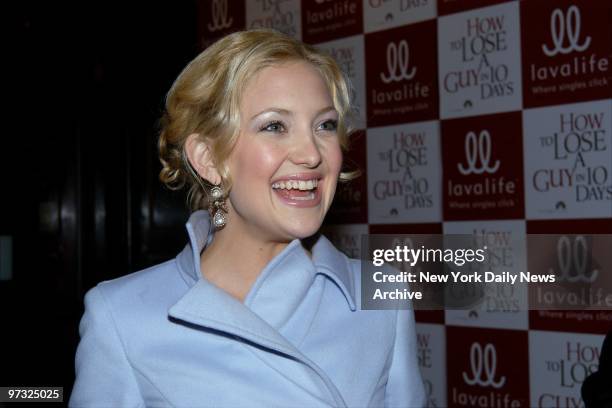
(298, 193)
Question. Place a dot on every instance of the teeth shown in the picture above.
(310, 196)
(302, 185)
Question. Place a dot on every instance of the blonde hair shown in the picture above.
(205, 100)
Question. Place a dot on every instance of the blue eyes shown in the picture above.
(279, 127)
(331, 125)
(273, 127)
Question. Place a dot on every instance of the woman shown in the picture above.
(251, 313)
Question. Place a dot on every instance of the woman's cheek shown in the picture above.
(336, 160)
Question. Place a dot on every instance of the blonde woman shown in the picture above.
(257, 310)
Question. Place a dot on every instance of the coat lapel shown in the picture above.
(208, 306)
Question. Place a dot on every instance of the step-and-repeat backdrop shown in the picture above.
(481, 117)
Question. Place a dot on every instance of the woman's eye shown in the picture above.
(330, 125)
(273, 127)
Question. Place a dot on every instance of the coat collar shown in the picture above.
(326, 259)
(267, 310)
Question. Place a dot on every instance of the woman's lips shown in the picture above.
(299, 190)
(299, 198)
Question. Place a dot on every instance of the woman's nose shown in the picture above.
(305, 151)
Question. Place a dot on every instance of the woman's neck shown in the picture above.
(234, 260)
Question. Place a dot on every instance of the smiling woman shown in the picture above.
(288, 135)
(257, 310)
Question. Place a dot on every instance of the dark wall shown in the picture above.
(80, 198)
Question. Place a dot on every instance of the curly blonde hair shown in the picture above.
(205, 100)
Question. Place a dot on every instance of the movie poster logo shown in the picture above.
(384, 14)
(217, 18)
(455, 6)
(346, 237)
(579, 257)
(579, 263)
(350, 205)
(324, 20)
(479, 59)
(431, 350)
(568, 161)
(566, 51)
(487, 368)
(281, 15)
(401, 80)
(404, 173)
(500, 304)
(349, 54)
(559, 364)
(483, 171)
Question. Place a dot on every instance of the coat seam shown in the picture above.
(299, 362)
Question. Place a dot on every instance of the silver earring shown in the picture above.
(218, 208)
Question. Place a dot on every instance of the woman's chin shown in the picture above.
(304, 230)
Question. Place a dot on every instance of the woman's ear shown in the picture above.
(201, 159)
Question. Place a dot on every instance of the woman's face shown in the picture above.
(287, 158)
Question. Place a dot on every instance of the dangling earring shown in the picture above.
(218, 208)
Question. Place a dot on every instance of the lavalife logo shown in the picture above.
(562, 27)
(483, 363)
(219, 16)
(572, 258)
(478, 148)
(398, 56)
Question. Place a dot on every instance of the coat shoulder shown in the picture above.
(163, 273)
(159, 286)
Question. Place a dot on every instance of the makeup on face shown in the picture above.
(287, 159)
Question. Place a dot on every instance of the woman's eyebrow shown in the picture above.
(276, 110)
(326, 109)
(290, 113)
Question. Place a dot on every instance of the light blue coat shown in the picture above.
(165, 336)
